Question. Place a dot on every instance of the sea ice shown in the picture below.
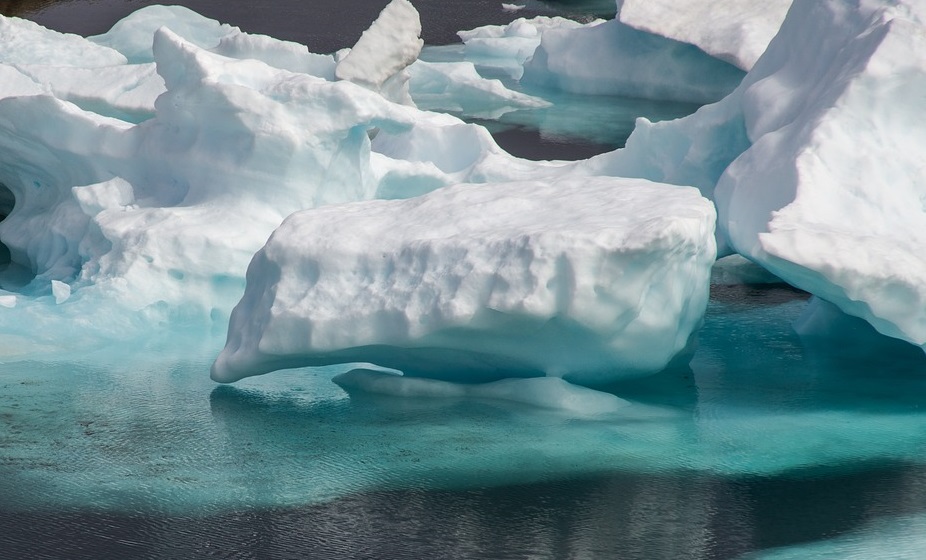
(25, 42)
(543, 392)
(589, 279)
(457, 87)
(508, 46)
(382, 53)
(737, 31)
(132, 35)
(829, 196)
(612, 58)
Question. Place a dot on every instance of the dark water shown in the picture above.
(323, 25)
(765, 441)
(328, 25)
(610, 516)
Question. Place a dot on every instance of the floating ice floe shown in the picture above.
(457, 87)
(508, 46)
(587, 279)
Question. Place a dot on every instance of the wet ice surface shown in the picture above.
(766, 441)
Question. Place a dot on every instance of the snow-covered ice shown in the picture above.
(737, 31)
(588, 279)
(612, 58)
(829, 196)
(149, 163)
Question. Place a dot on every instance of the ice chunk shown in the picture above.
(167, 213)
(588, 279)
(737, 31)
(457, 87)
(615, 59)
(279, 54)
(25, 42)
(132, 36)
(830, 195)
(126, 92)
(509, 46)
(542, 392)
(60, 291)
(512, 7)
(384, 50)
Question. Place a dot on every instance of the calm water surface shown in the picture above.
(766, 446)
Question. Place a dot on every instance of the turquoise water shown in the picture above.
(766, 446)
(766, 440)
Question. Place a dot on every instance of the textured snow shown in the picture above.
(590, 279)
(132, 36)
(384, 50)
(737, 31)
(830, 195)
(25, 42)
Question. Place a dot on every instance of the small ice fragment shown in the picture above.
(512, 7)
(61, 291)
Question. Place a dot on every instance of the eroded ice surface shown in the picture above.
(831, 210)
(588, 279)
(737, 31)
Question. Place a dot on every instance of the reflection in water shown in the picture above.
(22, 8)
(617, 516)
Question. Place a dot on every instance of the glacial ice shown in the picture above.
(590, 279)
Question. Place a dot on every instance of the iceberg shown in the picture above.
(829, 195)
(589, 279)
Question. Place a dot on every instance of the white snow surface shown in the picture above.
(736, 31)
(830, 196)
(587, 279)
(25, 42)
(385, 49)
(150, 163)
